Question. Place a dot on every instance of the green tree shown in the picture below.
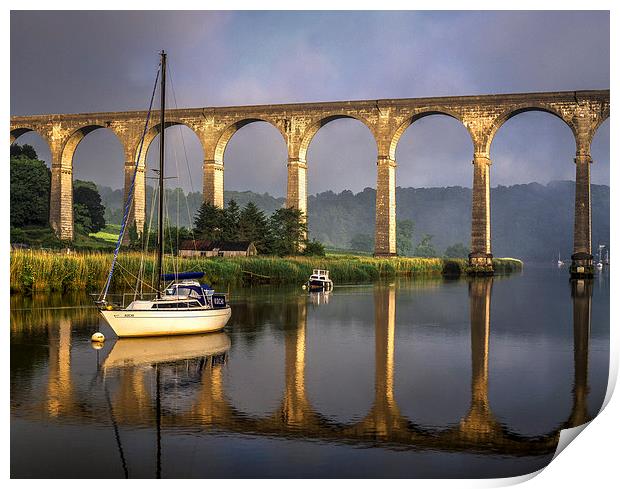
(81, 218)
(425, 248)
(208, 223)
(254, 226)
(174, 237)
(314, 248)
(288, 230)
(135, 237)
(230, 231)
(30, 188)
(404, 234)
(26, 151)
(458, 250)
(88, 211)
(362, 242)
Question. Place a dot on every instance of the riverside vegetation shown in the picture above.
(42, 271)
(530, 221)
(286, 255)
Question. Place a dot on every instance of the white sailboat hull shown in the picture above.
(132, 323)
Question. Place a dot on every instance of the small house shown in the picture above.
(204, 247)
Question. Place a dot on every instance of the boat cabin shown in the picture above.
(319, 280)
(189, 289)
(186, 291)
(318, 274)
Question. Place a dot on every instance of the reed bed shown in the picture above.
(37, 271)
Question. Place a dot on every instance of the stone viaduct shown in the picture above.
(387, 120)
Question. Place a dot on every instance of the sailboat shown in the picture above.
(560, 262)
(181, 304)
(599, 264)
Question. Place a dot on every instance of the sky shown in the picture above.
(64, 62)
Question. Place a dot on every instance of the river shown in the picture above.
(413, 378)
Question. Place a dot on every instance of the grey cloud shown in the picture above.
(98, 61)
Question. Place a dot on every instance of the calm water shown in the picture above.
(409, 379)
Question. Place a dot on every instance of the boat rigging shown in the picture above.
(184, 306)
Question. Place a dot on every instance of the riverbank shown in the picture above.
(40, 271)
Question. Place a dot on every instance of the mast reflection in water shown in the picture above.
(289, 390)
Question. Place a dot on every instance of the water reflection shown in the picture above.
(59, 391)
(178, 383)
(581, 294)
(480, 423)
(179, 363)
(321, 297)
(133, 352)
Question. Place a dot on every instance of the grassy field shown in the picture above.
(37, 237)
(108, 233)
(33, 270)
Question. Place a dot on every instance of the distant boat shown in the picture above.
(560, 262)
(600, 262)
(319, 280)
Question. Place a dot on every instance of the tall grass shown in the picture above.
(507, 265)
(36, 271)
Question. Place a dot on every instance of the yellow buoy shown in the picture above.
(109, 307)
(97, 337)
(303, 286)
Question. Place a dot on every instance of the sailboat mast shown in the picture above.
(160, 215)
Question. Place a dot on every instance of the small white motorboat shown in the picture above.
(319, 280)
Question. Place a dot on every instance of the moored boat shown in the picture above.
(184, 306)
(319, 280)
(560, 262)
(601, 262)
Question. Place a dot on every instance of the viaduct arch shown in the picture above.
(387, 119)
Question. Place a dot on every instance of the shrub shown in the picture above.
(314, 248)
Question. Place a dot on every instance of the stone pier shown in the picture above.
(480, 258)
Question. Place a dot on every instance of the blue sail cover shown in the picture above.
(183, 275)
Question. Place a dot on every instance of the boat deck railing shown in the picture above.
(121, 301)
(321, 273)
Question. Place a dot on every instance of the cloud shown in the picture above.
(104, 61)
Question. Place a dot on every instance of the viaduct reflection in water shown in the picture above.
(196, 365)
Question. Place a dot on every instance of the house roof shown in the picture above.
(207, 245)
